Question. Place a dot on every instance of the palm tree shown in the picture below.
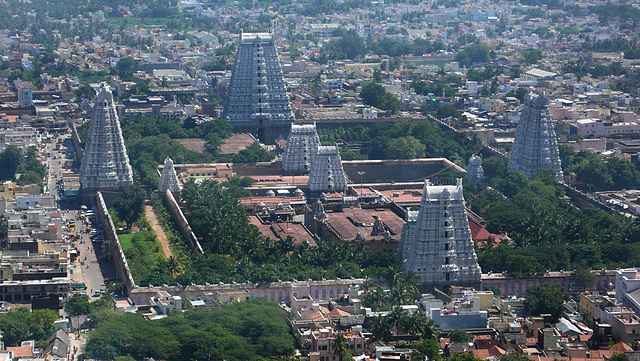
(340, 346)
(173, 266)
(397, 318)
(432, 329)
(380, 328)
(416, 324)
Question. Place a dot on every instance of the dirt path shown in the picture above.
(157, 229)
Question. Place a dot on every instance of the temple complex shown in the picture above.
(105, 164)
(257, 101)
(302, 144)
(535, 145)
(436, 241)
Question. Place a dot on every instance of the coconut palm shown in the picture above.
(340, 346)
(397, 318)
(380, 328)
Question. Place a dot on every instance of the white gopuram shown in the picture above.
(302, 144)
(257, 100)
(169, 178)
(535, 145)
(105, 164)
(327, 174)
(436, 243)
(474, 170)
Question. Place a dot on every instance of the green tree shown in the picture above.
(375, 95)
(619, 356)
(405, 148)
(10, 159)
(584, 277)
(126, 67)
(340, 346)
(429, 348)
(546, 298)
(130, 205)
(459, 335)
(78, 304)
(380, 328)
(447, 111)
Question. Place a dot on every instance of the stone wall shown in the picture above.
(117, 253)
(276, 292)
(511, 286)
(182, 223)
(75, 138)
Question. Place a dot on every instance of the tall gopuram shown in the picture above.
(302, 144)
(257, 101)
(105, 164)
(436, 243)
(327, 174)
(474, 169)
(535, 145)
(169, 179)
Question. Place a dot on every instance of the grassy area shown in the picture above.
(125, 241)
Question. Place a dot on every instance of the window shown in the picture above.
(446, 234)
(447, 223)
(447, 276)
(446, 246)
(446, 260)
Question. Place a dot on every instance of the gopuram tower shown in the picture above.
(302, 144)
(257, 101)
(105, 164)
(436, 243)
(535, 145)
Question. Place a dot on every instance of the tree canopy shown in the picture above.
(546, 299)
(375, 95)
(253, 330)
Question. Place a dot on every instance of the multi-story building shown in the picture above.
(322, 343)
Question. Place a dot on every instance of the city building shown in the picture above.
(535, 145)
(169, 178)
(302, 144)
(105, 164)
(436, 242)
(257, 101)
(327, 174)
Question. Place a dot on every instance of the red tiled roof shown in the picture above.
(20, 351)
(585, 338)
(531, 341)
(316, 316)
(621, 346)
(443, 342)
(482, 353)
(339, 312)
(497, 351)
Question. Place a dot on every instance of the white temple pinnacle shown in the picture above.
(327, 174)
(169, 178)
(257, 100)
(302, 144)
(436, 244)
(535, 145)
(105, 164)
